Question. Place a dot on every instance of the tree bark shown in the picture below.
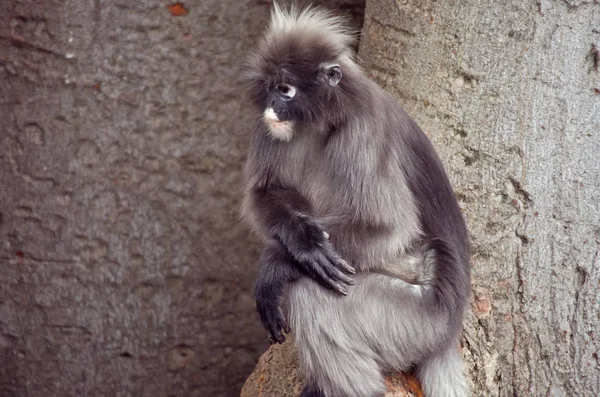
(509, 93)
(125, 270)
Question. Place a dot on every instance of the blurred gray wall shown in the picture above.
(124, 269)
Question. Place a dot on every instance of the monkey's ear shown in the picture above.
(333, 73)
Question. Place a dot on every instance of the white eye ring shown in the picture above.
(286, 90)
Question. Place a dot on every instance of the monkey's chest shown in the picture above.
(335, 183)
(329, 193)
(306, 168)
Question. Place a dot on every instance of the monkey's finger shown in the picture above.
(286, 327)
(329, 282)
(282, 322)
(342, 264)
(333, 272)
(331, 279)
(275, 335)
(282, 325)
(279, 337)
(314, 269)
(327, 260)
(345, 279)
(345, 266)
(336, 259)
(273, 320)
(341, 289)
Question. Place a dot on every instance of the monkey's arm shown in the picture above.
(274, 273)
(284, 215)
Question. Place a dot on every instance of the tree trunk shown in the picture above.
(509, 93)
(124, 268)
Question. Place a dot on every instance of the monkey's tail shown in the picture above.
(442, 375)
(452, 282)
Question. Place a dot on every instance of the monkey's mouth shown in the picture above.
(280, 129)
(278, 124)
(272, 119)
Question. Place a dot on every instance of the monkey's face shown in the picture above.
(288, 104)
(293, 84)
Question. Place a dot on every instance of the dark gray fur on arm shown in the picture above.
(284, 214)
(275, 272)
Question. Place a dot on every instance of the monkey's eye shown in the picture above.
(286, 90)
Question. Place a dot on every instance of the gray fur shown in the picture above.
(442, 375)
(363, 170)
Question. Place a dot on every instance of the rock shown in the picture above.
(277, 375)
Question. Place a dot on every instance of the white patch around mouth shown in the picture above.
(282, 130)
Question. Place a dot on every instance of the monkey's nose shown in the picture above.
(272, 104)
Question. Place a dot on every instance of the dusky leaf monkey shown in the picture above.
(366, 251)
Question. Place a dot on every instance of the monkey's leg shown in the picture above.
(346, 342)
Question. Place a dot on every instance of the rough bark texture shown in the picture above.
(124, 269)
(509, 93)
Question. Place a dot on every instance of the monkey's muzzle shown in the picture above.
(273, 119)
(281, 129)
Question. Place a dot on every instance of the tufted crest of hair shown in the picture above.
(311, 21)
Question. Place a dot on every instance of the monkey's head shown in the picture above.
(298, 73)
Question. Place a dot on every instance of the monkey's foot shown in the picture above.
(311, 392)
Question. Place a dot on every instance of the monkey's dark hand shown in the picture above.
(274, 274)
(313, 254)
(273, 320)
